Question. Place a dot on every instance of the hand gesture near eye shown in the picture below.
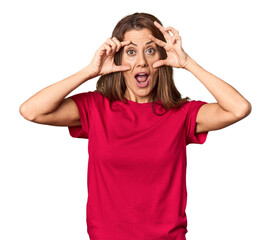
(103, 60)
(176, 56)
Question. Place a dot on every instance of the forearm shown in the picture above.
(48, 99)
(227, 96)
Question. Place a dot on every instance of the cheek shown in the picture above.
(127, 61)
(130, 62)
(154, 59)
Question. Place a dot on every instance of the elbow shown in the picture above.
(245, 111)
(25, 113)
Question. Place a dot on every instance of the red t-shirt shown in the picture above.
(136, 168)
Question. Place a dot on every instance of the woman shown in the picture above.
(138, 127)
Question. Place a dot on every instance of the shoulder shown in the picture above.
(193, 105)
(88, 99)
(97, 95)
(185, 106)
(90, 95)
(190, 107)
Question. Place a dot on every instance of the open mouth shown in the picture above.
(142, 79)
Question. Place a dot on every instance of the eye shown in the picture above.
(151, 51)
(130, 52)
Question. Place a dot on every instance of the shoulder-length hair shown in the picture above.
(113, 86)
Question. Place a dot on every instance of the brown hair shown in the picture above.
(113, 85)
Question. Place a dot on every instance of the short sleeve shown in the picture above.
(83, 102)
(190, 123)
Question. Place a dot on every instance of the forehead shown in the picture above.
(138, 36)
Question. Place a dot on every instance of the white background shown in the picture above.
(43, 171)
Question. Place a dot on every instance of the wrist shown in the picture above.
(90, 72)
(189, 63)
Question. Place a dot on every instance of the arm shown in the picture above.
(38, 107)
(231, 106)
(48, 106)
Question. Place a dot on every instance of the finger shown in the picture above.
(159, 63)
(161, 28)
(175, 39)
(157, 41)
(173, 30)
(110, 42)
(125, 43)
(117, 42)
(108, 48)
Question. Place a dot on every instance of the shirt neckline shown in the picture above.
(136, 104)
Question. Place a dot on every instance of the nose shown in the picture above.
(141, 61)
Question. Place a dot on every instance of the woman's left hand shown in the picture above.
(176, 56)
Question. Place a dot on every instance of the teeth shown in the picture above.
(142, 74)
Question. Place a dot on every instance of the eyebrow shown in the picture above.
(145, 44)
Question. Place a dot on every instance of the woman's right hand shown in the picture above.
(103, 60)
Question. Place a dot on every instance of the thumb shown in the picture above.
(121, 68)
(159, 63)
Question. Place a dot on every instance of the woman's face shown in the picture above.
(140, 56)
